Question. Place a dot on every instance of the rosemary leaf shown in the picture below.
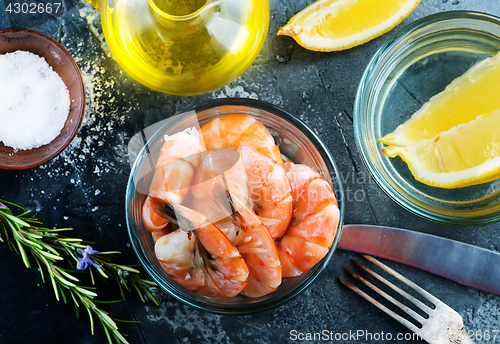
(23, 254)
(67, 275)
(107, 302)
(103, 274)
(48, 247)
(119, 336)
(63, 294)
(77, 305)
(70, 240)
(140, 294)
(92, 277)
(40, 269)
(55, 230)
(15, 220)
(129, 269)
(54, 285)
(50, 255)
(120, 286)
(31, 234)
(110, 252)
(64, 282)
(85, 291)
(108, 320)
(106, 331)
(91, 321)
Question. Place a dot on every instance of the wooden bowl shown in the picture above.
(63, 64)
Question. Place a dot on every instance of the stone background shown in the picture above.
(84, 188)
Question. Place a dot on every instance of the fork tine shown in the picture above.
(400, 291)
(395, 302)
(406, 281)
(380, 306)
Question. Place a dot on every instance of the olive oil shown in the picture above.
(179, 7)
(185, 54)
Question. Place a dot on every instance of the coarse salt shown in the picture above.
(34, 101)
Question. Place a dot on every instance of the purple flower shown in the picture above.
(3, 206)
(85, 260)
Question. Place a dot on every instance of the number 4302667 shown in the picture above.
(33, 8)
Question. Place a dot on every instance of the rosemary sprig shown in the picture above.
(51, 251)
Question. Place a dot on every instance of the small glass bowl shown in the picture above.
(295, 140)
(412, 66)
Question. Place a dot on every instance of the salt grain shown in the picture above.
(34, 101)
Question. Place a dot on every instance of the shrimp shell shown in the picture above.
(259, 251)
(265, 185)
(232, 131)
(270, 190)
(255, 179)
(174, 171)
(314, 221)
(206, 262)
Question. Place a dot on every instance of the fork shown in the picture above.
(443, 325)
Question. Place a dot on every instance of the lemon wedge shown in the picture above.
(464, 155)
(474, 93)
(329, 25)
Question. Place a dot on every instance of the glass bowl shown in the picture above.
(412, 66)
(296, 141)
(62, 63)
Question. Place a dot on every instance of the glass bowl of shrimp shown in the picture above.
(233, 206)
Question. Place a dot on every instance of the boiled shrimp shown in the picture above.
(232, 131)
(219, 171)
(270, 191)
(179, 157)
(151, 220)
(314, 221)
(259, 251)
(255, 179)
(200, 257)
(222, 192)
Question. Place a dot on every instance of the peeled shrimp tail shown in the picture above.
(314, 222)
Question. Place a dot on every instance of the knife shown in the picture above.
(463, 263)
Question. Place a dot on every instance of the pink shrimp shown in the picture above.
(207, 262)
(270, 191)
(259, 251)
(255, 179)
(209, 187)
(151, 220)
(314, 221)
(232, 131)
(222, 192)
(179, 157)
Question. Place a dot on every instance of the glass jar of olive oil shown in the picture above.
(184, 47)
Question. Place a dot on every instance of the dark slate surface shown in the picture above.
(84, 188)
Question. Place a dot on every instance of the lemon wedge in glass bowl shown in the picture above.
(329, 25)
(464, 155)
(414, 65)
(474, 93)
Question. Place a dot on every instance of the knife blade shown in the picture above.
(463, 263)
